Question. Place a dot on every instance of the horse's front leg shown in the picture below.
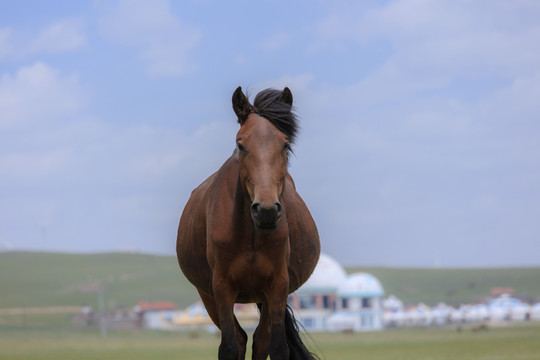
(277, 305)
(225, 297)
(241, 339)
(211, 308)
(261, 336)
(270, 338)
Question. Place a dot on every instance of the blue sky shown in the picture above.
(420, 121)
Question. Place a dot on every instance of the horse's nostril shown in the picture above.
(266, 216)
(279, 210)
(255, 210)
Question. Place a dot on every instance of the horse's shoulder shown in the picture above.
(291, 196)
(203, 188)
(290, 181)
(213, 180)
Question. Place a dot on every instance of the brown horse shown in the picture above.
(246, 236)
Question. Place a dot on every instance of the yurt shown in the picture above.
(359, 304)
(314, 301)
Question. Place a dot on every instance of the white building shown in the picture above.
(316, 299)
(535, 312)
(497, 311)
(360, 305)
(507, 308)
(332, 301)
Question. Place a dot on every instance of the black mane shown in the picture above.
(269, 105)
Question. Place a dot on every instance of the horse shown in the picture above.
(246, 236)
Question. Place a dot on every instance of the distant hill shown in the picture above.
(53, 279)
(31, 279)
(455, 286)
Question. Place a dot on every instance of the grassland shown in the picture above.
(508, 343)
(50, 279)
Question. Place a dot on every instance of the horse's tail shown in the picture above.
(297, 349)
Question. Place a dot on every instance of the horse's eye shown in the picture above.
(240, 147)
(287, 147)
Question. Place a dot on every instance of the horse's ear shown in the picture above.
(241, 105)
(286, 96)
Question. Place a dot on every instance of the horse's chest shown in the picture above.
(251, 271)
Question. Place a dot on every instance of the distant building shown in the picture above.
(152, 315)
(392, 304)
(195, 317)
(360, 305)
(332, 301)
(505, 307)
(535, 312)
(497, 311)
(317, 298)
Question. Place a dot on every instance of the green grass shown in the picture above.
(53, 279)
(36, 321)
(508, 343)
(82, 345)
(429, 343)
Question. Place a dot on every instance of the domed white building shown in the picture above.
(360, 308)
(316, 299)
(327, 276)
(330, 296)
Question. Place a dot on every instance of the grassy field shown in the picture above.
(50, 279)
(508, 343)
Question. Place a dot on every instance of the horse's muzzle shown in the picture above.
(266, 217)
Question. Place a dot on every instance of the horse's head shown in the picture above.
(267, 130)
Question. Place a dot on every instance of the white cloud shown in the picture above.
(117, 183)
(430, 37)
(433, 46)
(36, 94)
(37, 104)
(59, 37)
(129, 179)
(516, 102)
(159, 37)
(443, 125)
